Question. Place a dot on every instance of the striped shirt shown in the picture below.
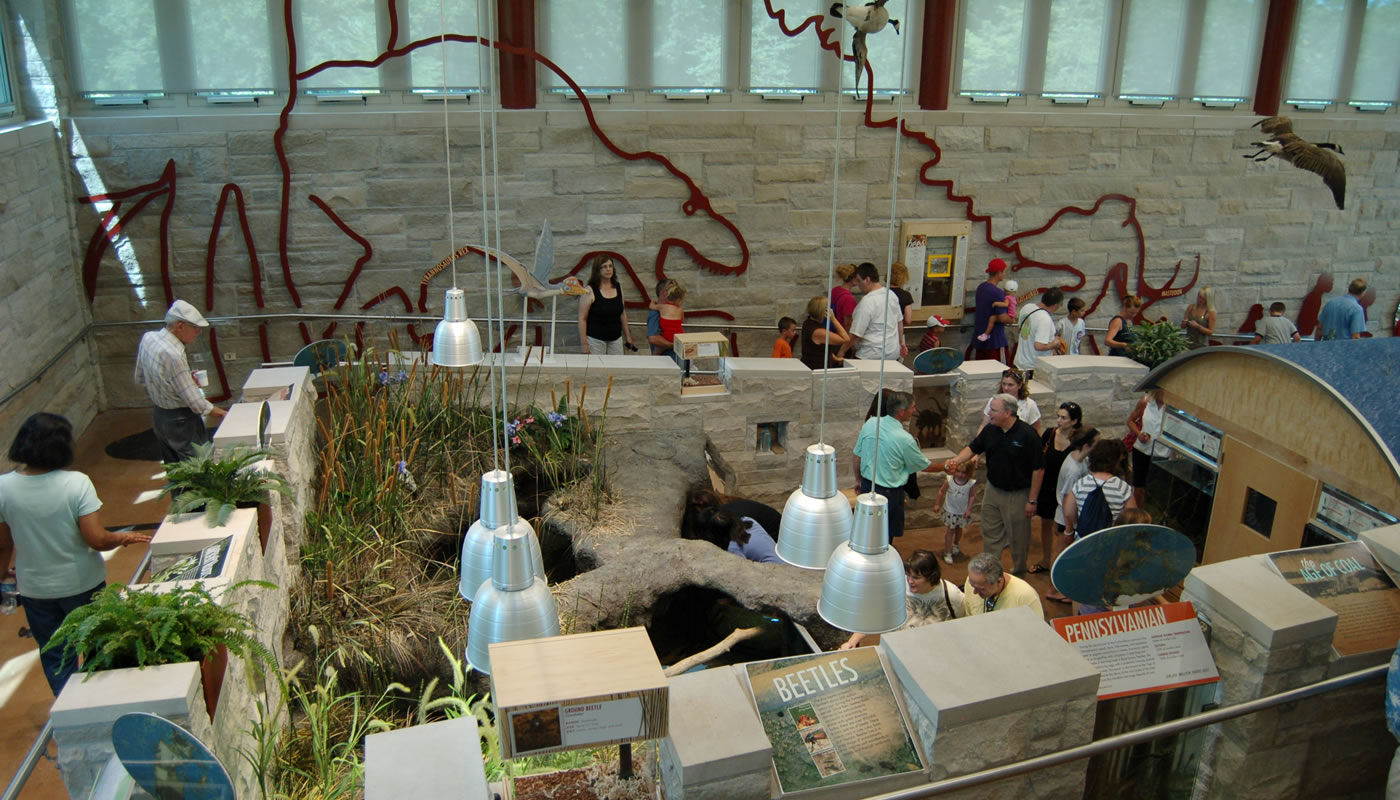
(1115, 490)
(162, 368)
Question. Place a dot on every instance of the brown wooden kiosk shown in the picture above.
(1303, 439)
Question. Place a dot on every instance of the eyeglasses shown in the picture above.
(1068, 406)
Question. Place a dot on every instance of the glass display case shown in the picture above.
(1181, 480)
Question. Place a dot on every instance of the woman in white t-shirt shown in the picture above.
(49, 523)
(929, 599)
(1014, 384)
(1108, 467)
(1145, 424)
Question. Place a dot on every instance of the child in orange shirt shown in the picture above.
(787, 332)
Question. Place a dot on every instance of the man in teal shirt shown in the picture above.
(899, 455)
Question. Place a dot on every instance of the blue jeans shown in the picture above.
(896, 506)
(44, 618)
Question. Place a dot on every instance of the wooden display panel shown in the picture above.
(1234, 517)
(583, 690)
(935, 253)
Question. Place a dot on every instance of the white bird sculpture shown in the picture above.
(868, 18)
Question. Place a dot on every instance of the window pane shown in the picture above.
(425, 19)
(7, 97)
(777, 61)
(1229, 48)
(886, 50)
(1152, 47)
(993, 47)
(330, 30)
(688, 41)
(587, 39)
(219, 29)
(1378, 63)
(1319, 36)
(116, 45)
(1074, 51)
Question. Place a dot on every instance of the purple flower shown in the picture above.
(512, 427)
(402, 377)
(556, 418)
(402, 467)
(384, 377)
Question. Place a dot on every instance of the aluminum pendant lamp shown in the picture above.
(497, 513)
(816, 517)
(863, 589)
(515, 604)
(456, 341)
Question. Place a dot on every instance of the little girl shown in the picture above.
(955, 498)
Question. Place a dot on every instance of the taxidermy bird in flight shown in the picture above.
(868, 18)
(1320, 158)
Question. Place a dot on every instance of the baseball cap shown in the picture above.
(935, 321)
(180, 311)
(996, 265)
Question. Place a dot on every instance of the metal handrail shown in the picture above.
(1131, 738)
(41, 742)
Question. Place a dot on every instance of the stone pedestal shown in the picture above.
(994, 689)
(1266, 637)
(434, 760)
(87, 707)
(716, 749)
(1103, 386)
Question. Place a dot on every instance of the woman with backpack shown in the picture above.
(1075, 466)
(1096, 499)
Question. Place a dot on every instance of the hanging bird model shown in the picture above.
(1320, 158)
(868, 18)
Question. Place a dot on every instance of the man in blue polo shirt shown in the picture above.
(1343, 317)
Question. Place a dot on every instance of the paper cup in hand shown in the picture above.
(201, 377)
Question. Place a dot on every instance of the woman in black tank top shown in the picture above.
(602, 318)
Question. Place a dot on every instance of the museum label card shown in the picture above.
(1140, 650)
(831, 718)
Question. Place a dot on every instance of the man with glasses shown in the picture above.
(1015, 468)
(990, 589)
(163, 368)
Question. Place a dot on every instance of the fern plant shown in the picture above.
(125, 627)
(1156, 342)
(219, 485)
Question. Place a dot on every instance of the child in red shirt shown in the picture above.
(936, 324)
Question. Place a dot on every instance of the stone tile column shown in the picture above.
(995, 689)
(717, 749)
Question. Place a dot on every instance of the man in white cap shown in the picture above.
(163, 368)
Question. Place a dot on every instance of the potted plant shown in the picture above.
(1156, 342)
(220, 485)
(124, 628)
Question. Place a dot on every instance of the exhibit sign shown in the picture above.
(1346, 578)
(832, 718)
(1141, 650)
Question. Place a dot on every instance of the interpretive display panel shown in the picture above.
(832, 718)
(1140, 650)
(1346, 578)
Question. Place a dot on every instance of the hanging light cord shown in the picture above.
(889, 262)
(496, 215)
(831, 249)
(485, 229)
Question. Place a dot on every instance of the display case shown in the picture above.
(702, 358)
(1181, 481)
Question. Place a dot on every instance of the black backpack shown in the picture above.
(1095, 515)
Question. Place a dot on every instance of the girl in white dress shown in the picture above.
(955, 498)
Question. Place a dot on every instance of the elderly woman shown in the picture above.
(602, 319)
(822, 335)
(49, 523)
(1014, 383)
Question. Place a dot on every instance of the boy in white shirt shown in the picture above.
(1072, 326)
(1276, 328)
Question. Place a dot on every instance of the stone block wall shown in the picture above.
(1268, 637)
(1262, 232)
(42, 308)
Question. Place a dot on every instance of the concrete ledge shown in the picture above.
(1385, 545)
(433, 760)
(1260, 602)
(186, 533)
(243, 561)
(976, 668)
(240, 426)
(777, 367)
(267, 383)
(715, 732)
(101, 697)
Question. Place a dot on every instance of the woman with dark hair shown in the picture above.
(929, 598)
(741, 536)
(1069, 419)
(602, 319)
(49, 524)
(1074, 467)
(701, 497)
(1108, 468)
(1120, 335)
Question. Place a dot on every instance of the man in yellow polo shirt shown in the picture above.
(989, 588)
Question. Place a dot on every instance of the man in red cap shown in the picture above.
(989, 292)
